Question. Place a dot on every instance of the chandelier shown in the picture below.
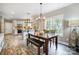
(41, 12)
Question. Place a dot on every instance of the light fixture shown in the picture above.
(41, 12)
(12, 12)
(28, 15)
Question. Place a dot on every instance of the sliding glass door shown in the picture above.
(55, 23)
(48, 24)
(58, 24)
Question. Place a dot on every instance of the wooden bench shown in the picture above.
(36, 42)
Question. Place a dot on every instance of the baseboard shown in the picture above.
(66, 45)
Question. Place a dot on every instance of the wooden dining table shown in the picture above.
(47, 38)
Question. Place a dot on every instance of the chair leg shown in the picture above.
(38, 50)
(53, 41)
(50, 43)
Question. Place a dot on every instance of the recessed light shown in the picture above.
(28, 12)
(12, 12)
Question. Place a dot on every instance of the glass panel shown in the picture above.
(58, 24)
(48, 24)
(55, 23)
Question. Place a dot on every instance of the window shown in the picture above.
(55, 22)
(48, 24)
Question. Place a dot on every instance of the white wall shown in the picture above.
(71, 11)
(2, 24)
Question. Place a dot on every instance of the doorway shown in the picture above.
(8, 27)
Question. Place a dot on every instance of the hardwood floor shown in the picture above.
(14, 45)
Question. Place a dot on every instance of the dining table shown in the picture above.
(47, 38)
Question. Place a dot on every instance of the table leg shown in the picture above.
(38, 50)
(56, 42)
(46, 46)
(27, 42)
(53, 41)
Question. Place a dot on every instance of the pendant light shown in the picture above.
(41, 11)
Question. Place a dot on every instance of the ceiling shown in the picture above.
(21, 10)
